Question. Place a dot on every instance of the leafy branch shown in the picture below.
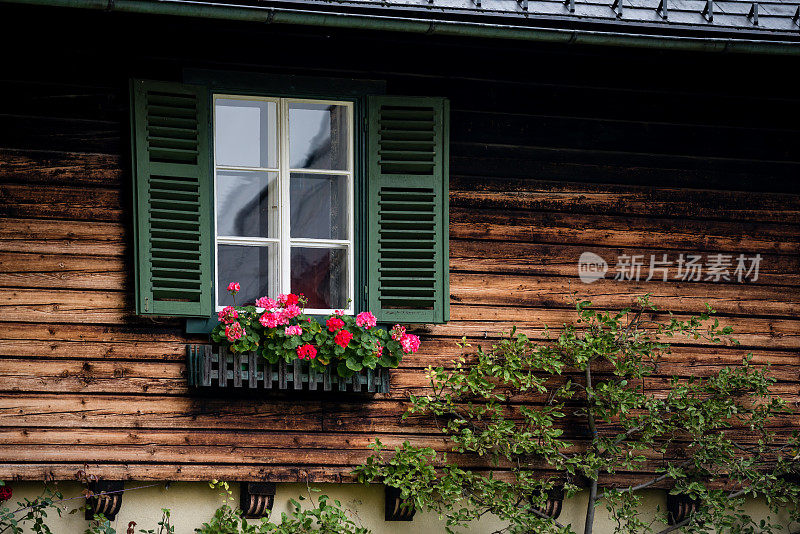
(511, 404)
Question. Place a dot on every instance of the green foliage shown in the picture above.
(100, 525)
(711, 435)
(325, 517)
(164, 526)
(229, 520)
(30, 514)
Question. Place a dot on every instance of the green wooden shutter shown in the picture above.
(407, 243)
(172, 199)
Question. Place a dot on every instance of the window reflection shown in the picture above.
(319, 206)
(246, 204)
(253, 267)
(321, 275)
(245, 133)
(318, 136)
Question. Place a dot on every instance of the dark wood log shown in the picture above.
(591, 134)
(511, 290)
(63, 271)
(628, 232)
(481, 192)
(67, 169)
(72, 203)
(509, 257)
(62, 237)
(68, 135)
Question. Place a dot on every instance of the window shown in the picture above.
(334, 193)
(283, 190)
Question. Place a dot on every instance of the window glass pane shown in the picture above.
(255, 268)
(318, 136)
(319, 206)
(244, 133)
(321, 275)
(247, 203)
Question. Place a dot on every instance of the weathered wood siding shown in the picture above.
(554, 152)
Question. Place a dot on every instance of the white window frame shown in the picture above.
(284, 241)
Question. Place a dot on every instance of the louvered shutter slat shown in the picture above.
(408, 206)
(172, 199)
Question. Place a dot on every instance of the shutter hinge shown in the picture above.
(147, 304)
(364, 124)
(366, 290)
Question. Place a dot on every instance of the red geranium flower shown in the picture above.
(334, 324)
(5, 493)
(288, 300)
(306, 352)
(343, 338)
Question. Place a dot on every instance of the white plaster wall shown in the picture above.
(193, 503)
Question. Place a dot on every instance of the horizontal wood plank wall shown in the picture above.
(544, 166)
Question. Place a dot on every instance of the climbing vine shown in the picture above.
(587, 405)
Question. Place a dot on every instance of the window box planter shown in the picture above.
(216, 368)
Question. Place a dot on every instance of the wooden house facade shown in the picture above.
(555, 149)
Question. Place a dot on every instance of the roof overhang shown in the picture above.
(452, 21)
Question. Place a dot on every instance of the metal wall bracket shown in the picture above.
(555, 500)
(398, 509)
(617, 7)
(708, 11)
(662, 10)
(477, 3)
(570, 4)
(256, 499)
(105, 499)
(753, 15)
(523, 4)
(680, 507)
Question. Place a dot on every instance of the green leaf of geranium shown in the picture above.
(343, 371)
(353, 365)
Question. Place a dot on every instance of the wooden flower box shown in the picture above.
(212, 367)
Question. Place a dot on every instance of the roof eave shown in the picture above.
(612, 36)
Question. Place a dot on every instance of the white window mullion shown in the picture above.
(321, 171)
(351, 208)
(320, 243)
(284, 179)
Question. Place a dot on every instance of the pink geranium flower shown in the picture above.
(306, 352)
(366, 319)
(342, 338)
(398, 332)
(234, 331)
(266, 303)
(228, 315)
(233, 287)
(409, 343)
(292, 310)
(294, 330)
(269, 320)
